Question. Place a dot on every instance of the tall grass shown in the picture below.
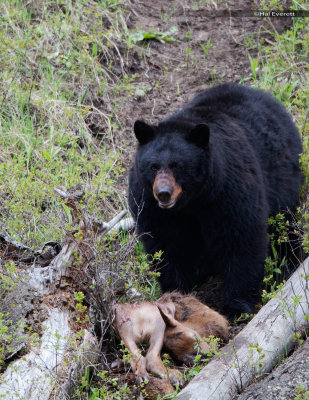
(57, 58)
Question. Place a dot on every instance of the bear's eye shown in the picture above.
(173, 165)
(155, 167)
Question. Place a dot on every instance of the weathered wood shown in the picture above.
(32, 377)
(24, 254)
(126, 224)
(257, 348)
(41, 374)
(35, 375)
(84, 358)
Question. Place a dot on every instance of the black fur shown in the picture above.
(235, 152)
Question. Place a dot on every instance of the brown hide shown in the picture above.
(180, 322)
(192, 322)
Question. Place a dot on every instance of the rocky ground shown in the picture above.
(289, 380)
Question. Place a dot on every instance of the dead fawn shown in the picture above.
(190, 323)
(177, 322)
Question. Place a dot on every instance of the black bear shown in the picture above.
(205, 181)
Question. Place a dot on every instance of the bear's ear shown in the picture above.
(143, 132)
(199, 135)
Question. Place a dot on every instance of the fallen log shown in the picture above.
(32, 377)
(24, 254)
(41, 373)
(267, 338)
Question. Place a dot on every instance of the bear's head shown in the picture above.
(172, 160)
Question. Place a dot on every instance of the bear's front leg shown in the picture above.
(242, 282)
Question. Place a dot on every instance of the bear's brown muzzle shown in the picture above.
(165, 189)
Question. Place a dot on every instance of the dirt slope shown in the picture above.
(171, 73)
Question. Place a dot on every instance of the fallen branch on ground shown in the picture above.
(48, 377)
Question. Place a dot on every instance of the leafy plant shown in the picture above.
(140, 35)
(302, 393)
(207, 47)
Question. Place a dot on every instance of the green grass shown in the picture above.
(56, 59)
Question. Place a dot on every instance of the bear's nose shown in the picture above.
(164, 195)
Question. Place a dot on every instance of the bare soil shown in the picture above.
(171, 73)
